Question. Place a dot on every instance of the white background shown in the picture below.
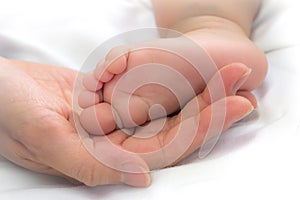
(256, 159)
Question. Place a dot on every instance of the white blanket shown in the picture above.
(256, 159)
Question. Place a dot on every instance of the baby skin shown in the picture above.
(125, 89)
(114, 96)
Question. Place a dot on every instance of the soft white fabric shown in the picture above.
(256, 159)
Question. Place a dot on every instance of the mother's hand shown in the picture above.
(37, 129)
(165, 142)
(38, 133)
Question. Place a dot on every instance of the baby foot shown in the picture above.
(128, 84)
(126, 88)
(109, 105)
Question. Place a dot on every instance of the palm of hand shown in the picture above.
(37, 102)
(38, 132)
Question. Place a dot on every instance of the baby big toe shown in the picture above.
(98, 119)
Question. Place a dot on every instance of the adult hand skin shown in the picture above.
(166, 141)
(37, 129)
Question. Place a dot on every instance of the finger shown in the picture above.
(231, 77)
(236, 108)
(249, 96)
(226, 82)
(182, 139)
(66, 153)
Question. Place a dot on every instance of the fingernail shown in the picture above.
(241, 82)
(246, 114)
(249, 111)
(135, 175)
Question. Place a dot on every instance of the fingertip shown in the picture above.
(249, 96)
(241, 81)
(135, 175)
(238, 108)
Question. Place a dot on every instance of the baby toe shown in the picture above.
(87, 99)
(91, 83)
(98, 119)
